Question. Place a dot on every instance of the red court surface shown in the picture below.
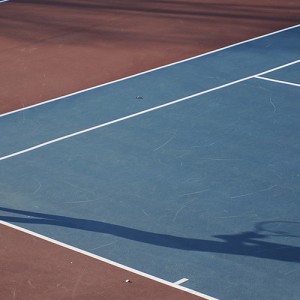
(52, 48)
(38, 269)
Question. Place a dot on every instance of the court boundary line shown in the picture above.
(143, 112)
(278, 81)
(148, 71)
(108, 261)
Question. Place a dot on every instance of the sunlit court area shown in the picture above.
(149, 149)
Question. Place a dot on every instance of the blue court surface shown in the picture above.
(188, 171)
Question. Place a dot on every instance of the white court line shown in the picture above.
(165, 282)
(148, 71)
(181, 281)
(278, 81)
(142, 112)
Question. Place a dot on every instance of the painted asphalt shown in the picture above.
(180, 191)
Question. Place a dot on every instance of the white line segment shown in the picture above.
(148, 71)
(278, 81)
(181, 281)
(142, 112)
(1, 1)
(107, 261)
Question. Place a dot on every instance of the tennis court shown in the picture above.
(178, 182)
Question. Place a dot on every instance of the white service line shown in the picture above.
(278, 81)
(148, 71)
(165, 282)
(142, 112)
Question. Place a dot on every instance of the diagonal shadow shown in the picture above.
(244, 243)
(184, 8)
(91, 20)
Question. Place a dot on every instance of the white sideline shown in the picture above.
(174, 285)
(141, 112)
(149, 71)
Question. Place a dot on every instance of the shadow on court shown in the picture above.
(51, 48)
(119, 20)
(251, 243)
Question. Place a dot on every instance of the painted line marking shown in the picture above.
(1, 1)
(181, 281)
(177, 283)
(102, 259)
(278, 81)
(142, 112)
(148, 71)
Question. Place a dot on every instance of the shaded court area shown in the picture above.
(52, 48)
